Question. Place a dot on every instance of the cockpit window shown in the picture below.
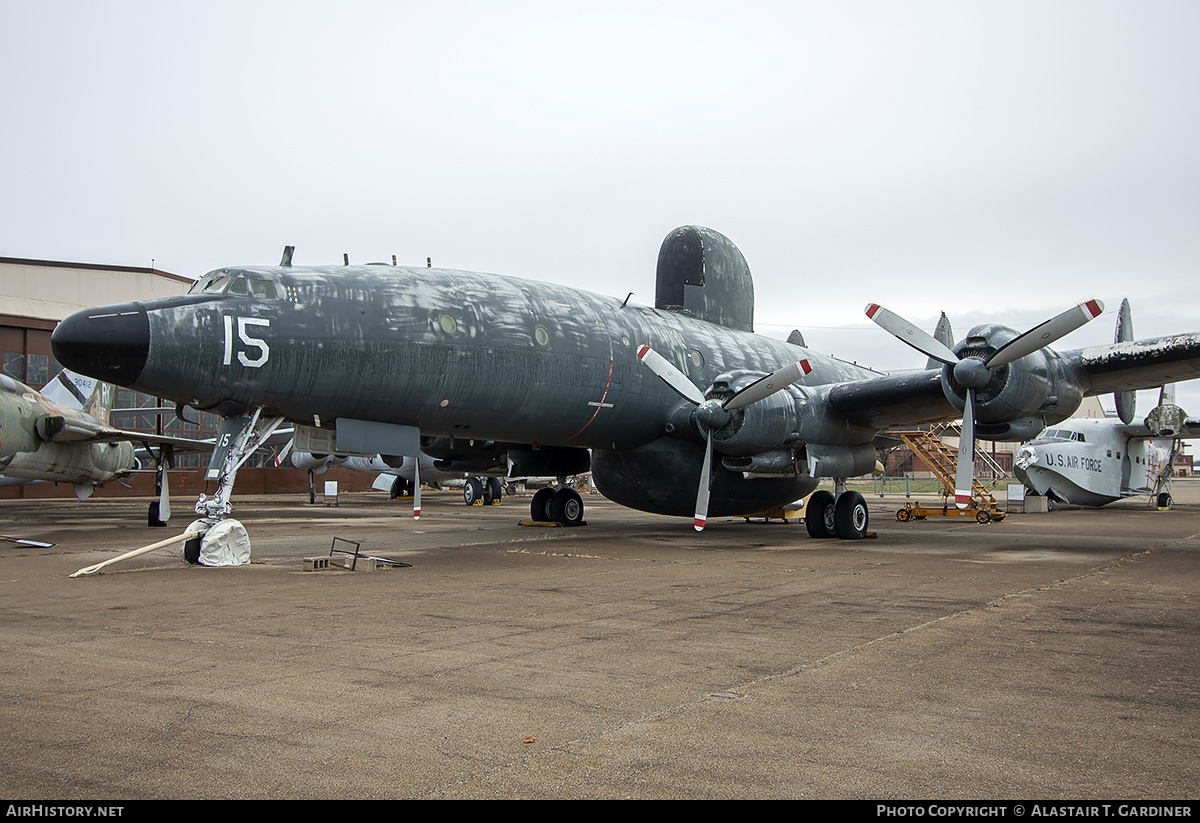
(210, 284)
(239, 285)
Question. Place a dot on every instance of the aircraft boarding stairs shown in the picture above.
(942, 460)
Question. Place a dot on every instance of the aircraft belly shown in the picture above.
(1068, 489)
(648, 479)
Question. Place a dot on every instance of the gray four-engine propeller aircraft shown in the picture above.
(684, 409)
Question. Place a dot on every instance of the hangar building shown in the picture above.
(36, 294)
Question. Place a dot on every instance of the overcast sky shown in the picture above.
(999, 161)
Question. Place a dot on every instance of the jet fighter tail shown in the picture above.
(86, 394)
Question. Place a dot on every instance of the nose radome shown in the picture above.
(110, 343)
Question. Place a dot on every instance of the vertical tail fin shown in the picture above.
(944, 335)
(86, 394)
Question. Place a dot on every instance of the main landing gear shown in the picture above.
(483, 491)
(563, 506)
(845, 516)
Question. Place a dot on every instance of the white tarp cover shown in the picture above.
(225, 544)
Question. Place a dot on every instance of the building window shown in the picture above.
(14, 365)
(37, 370)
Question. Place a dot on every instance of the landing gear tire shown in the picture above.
(565, 507)
(191, 550)
(401, 488)
(492, 490)
(1164, 500)
(818, 515)
(152, 519)
(851, 516)
(537, 509)
(472, 490)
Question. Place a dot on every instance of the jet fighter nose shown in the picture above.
(110, 343)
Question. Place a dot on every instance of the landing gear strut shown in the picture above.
(237, 439)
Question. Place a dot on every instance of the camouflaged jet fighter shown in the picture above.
(45, 441)
(684, 409)
(62, 435)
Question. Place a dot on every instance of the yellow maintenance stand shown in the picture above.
(942, 461)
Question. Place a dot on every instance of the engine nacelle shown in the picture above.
(1166, 420)
(1032, 391)
(316, 463)
(1014, 431)
(763, 426)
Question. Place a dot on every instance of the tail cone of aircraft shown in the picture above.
(110, 343)
(712, 414)
(974, 373)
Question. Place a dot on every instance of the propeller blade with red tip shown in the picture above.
(705, 483)
(906, 332)
(417, 487)
(767, 386)
(1043, 335)
(964, 473)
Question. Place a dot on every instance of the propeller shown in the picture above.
(712, 414)
(974, 373)
(1126, 401)
(417, 487)
(283, 453)
(164, 496)
(162, 462)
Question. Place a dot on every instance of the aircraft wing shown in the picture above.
(77, 430)
(57, 429)
(1189, 428)
(1137, 364)
(893, 401)
(914, 398)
